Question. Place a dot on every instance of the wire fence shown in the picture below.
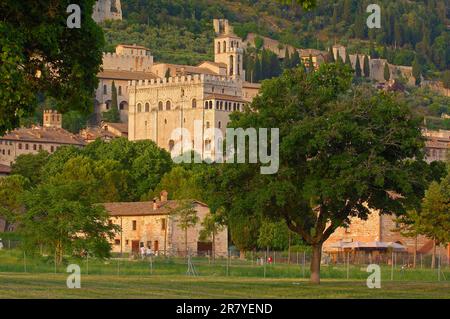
(262, 264)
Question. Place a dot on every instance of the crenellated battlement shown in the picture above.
(177, 80)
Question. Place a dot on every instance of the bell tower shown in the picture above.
(228, 49)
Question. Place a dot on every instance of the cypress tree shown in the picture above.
(257, 76)
(287, 59)
(387, 73)
(295, 59)
(416, 70)
(357, 67)
(366, 66)
(310, 64)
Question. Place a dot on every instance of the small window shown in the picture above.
(134, 225)
(26, 146)
(105, 89)
(117, 242)
(139, 108)
(219, 124)
(163, 224)
(207, 124)
(20, 146)
(40, 147)
(34, 147)
(120, 90)
(160, 106)
(168, 106)
(194, 103)
(147, 107)
(126, 242)
(52, 149)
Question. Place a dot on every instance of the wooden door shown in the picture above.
(135, 246)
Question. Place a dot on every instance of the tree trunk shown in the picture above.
(315, 263)
(185, 243)
(433, 256)
(289, 249)
(213, 247)
(242, 254)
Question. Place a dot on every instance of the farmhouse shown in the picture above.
(153, 225)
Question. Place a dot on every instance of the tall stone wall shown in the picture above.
(107, 10)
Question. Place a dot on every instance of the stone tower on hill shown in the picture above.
(107, 10)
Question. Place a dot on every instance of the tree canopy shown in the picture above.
(343, 152)
(41, 55)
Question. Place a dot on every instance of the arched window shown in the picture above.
(120, 90)
(218, 47)
(147, 107)
(206, 104)
(207, 124)
(168, 106)
(219, 125)
(224, 46)
(217, 105)
(160, 105)
(123, 106)
(221, 104)
(194, 103)
(210, 105)
(139, 108)
(234, 106)
(105, 89)
(232, 44)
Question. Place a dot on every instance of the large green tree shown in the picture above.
(434, 220)
(12, 189)
(62, 217)
(41, 55)
(342, 152)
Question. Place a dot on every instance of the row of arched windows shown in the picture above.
(168, 106)
(224, 105)
(222, 46)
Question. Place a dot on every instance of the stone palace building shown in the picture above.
(158, 98)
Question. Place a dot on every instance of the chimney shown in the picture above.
(164, 196)
(155, 205)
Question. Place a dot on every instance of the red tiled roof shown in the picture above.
(44, 135)
(142, 208)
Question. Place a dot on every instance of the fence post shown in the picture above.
(303, 266)
(228, 261)
(118, 266)
(439, 266)
(264, 263)
(87, 264)
(392, 265)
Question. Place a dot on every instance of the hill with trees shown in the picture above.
(181, 31)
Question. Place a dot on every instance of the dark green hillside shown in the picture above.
(181, 30)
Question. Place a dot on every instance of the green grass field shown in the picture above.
(37, 277)
(16, 285)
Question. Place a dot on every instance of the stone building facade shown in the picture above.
(128, 63)
(196, 100)
(377, 228)
(153, 225)
(107, 10)
(437, 145)
(48, 138)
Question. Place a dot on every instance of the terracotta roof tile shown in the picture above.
(44, 135)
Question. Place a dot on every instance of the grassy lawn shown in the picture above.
(16, 285)
(37, 277)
